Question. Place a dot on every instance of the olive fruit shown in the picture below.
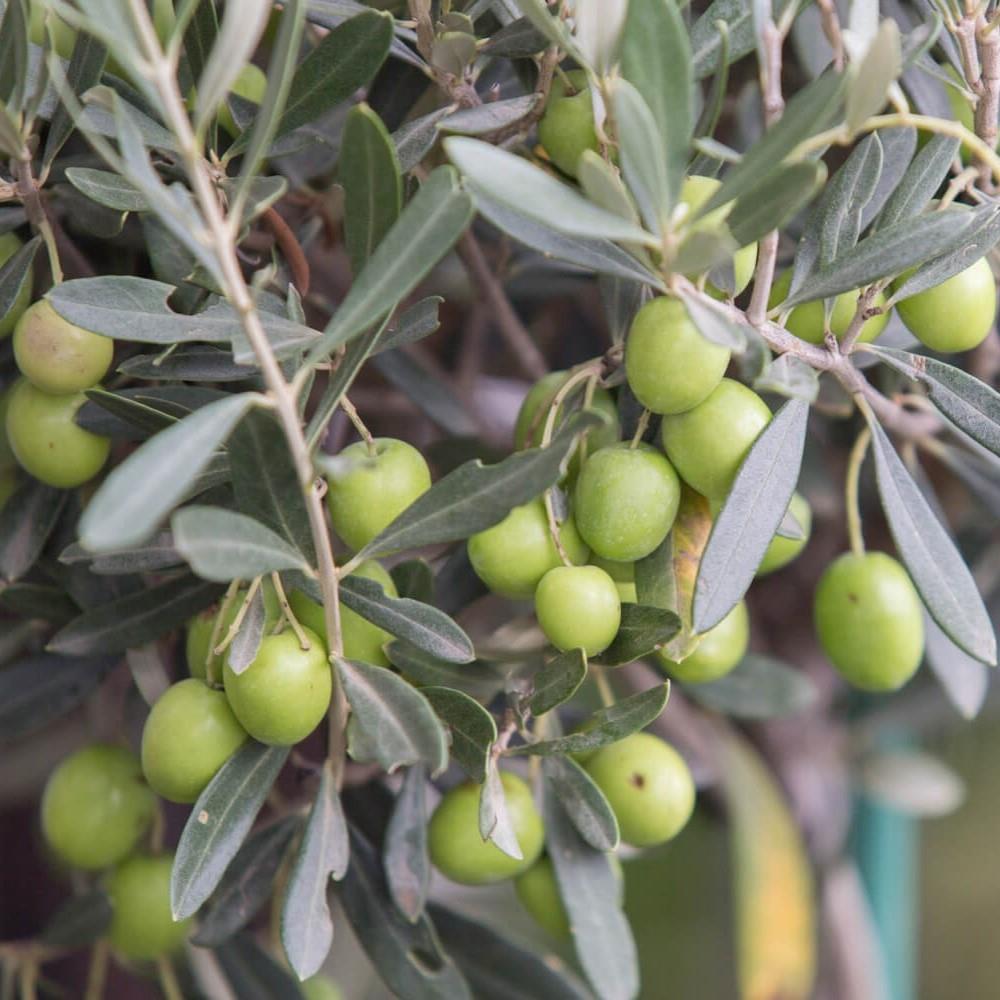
(783, 550)
(251, 85)
(807, 320)
(362, 640)
(9, 245)
(647, 784)
(285, 692)
(955, 315)
(321, 987)
(46, 440)
(567, 127)
(707, 445)
(513, 556)
(57, 356)
(625, 501)
(96, 806)
(869, 620)
(623, 573)
(368, 491)
(457, 847)
(202, 626)
(695, 191)
(578, 607)
(189, 734)
(718, 651)
(142, 924)
(670, 366)
(64, 35)
(7, 458)
(530, 424)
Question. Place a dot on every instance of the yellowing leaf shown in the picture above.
(688, 539)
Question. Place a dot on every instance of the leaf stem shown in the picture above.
(34, 208)
(286, 608)
(168, 979)
(216, 635)
(359, 425)
(98, 971)
(640, 428)
(851, 490)
(237, 621)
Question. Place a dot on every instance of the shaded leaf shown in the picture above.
(920, 183)
(557, 681)
(750, 516)
(80, 921)
(306, 927)
(251, 972)
(391, 722)
(643, 629)
(29, 517)
(195, 363)
(134, 619)
(219, 823)
(775, 200)
(868, 91)
(16, 274)
(473, 729)
(759, 688)
(245, 646)
(405, 858)
(583, 802)
(965, 680)
(477, 679)
(937, 569)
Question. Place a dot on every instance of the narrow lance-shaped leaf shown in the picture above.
(515, 183)
(477, 496)
(84, 71)
(775, 200)
(473, 729)
(656, 60)
(965, 680)
(750, 516)
(592, 898)
(16, 275)
(494, 820)
(427, 229)
(937, 569)
(219, 823)
(419, 624)
(370, 176)
(80, 921)
(29, 517)
(558, 680)
(609, 725)
(643, 629)
(583, 801)
(391, 722)
(969, 403)
(140, 492)
(921, 181)
(245, 646)
(405, 857)
(223, 545)
(306, 927)
(868, 89)
(759, 688)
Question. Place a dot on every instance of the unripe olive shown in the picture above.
(362, 640)
(567, 129)
(955, 315)
(625, 501)
(530, 424)
(457, 847)
(578, 608)
(807, 320)
(142, 924)
(718, 651)
(9, 245)
(96, 806)
(46, 440)
(7, 457)
(513, 556)
(647, 784)
(623, 573)
(189, 734)
(371, 490)
(321, 987)
(783, 550)
(57, 356)
(251, 85)
(707, 445)
(63, 34)
(285, 692)
(695, 191)
(869, 620)
(670, 365)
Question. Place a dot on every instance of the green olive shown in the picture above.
(578, 607)
(567, 128)
(457, 847)
(870, 620)
(63, 34)
(707, 445)
(9, 245)
(718, 651)
(370, 491)
(513, 556)
(57, 356)
(625, 501)
(46, 440)
(807, 320)
(670, 366)
(321, 988)
(189, 734)
(647, 784)
(362, 640)
(285, 692)
(955, 315)
(96, 807)
(142, 924)
(623, 573)
(695, 191)
(782, 550)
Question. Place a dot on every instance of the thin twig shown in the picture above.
(359, 425)
(851, 488)
(237, 622)
(291, 250)
(286, 609)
